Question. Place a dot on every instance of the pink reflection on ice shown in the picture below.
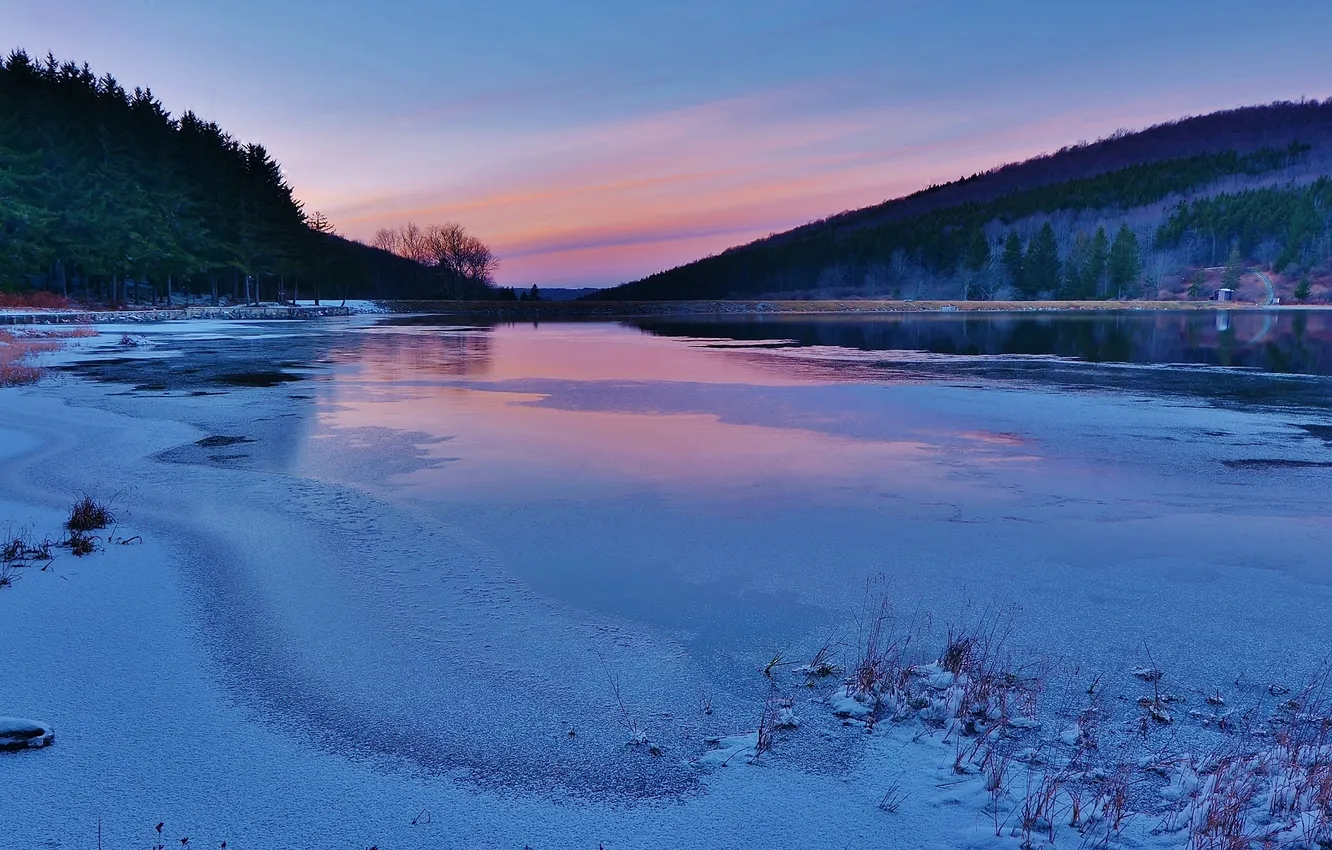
(440, 383)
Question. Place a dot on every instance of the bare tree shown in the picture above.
(386, 239)
(478, 262)
(459, 254)
(995, 276)
(877, 279)
(458, 257)
(1267, 251)
(413, 244)
(899, 267)
(1157, 273)
(831, 280)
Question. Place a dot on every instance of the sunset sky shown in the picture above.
(596, 142)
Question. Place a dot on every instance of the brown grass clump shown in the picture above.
(88, 514)
(36, 299)
(69, 333)
(81, 544)
(14, 372)
(18, 374)
(16, 349)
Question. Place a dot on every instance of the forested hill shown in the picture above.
(106, 196)
(1134, 215)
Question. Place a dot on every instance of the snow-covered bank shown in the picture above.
(171, 314)
(150, 730)
(155, 725)
(357, 307)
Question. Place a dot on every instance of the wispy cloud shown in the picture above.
(724, 170)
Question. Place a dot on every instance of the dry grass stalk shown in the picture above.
(823, 664)
(18, 550)
(893, 798)
(88, 514)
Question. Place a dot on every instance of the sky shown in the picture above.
(591, 143)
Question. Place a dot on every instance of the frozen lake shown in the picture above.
(468, 538)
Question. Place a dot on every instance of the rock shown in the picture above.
(19, 734)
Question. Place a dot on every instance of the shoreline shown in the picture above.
(635, 309)
(628, 309)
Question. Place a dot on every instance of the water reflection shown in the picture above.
(1277, 341)
(395, 353)
(581, 410)
(410, 348)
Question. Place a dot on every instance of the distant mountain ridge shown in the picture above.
(561, 293)
(1242, 131)
(949, 240)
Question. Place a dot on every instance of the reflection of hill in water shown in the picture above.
(1297, 342)
(406, 348)
(1275, 348)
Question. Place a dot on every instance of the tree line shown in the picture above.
(1284, 226)
(105, 195)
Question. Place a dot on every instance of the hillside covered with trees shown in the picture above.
(107, 197)
(1137, 215)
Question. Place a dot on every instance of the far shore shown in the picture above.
(612, 309)
(616, 309)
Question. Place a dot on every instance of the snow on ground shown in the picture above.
(150, 731)
(23, 311)
(357, 306)
(288, 661)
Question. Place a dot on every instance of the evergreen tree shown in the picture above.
(1125, 264)
(1196, 285)
(1040, 270)
(978, 251)
(1230, 278)
(1013, 259)
(1303, 289)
